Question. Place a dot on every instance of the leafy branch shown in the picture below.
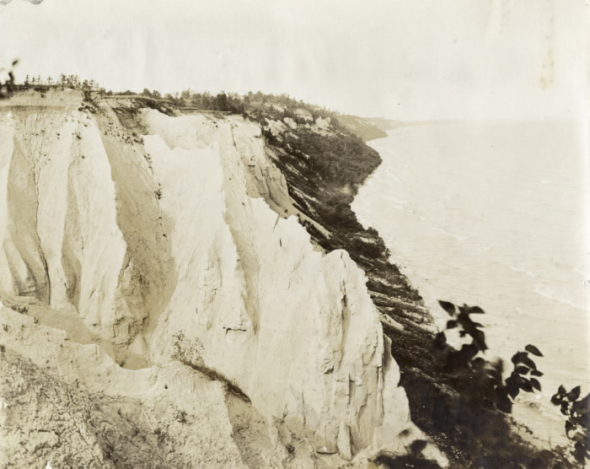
(480, 379)
(577, 425)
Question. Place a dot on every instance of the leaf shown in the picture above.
(522, 370)
(526, 385)
(479, 339)
(448, 307)
(555, 399)
(561, 389)
(504, 404)
(583, 405)
(475, 310)
(523, 358)
(569, 426)
(528, 362)
(452, 324)
(535, 384)
(512, 386)
(574, 394)
(513, 391)
(536, 373)
(534, 350)
(463, 316)
(516, 358)
(579, 452)
(564, 408)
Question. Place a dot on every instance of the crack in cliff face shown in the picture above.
(22, 210)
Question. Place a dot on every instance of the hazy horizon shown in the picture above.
(494, 59)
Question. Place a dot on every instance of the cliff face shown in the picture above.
(161, 295)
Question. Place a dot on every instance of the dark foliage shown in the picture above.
(472, 435)
(8, 86)
(577, 425)
(406, 462)
(477, 379)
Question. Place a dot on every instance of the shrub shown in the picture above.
(478, 379)
(577, 425)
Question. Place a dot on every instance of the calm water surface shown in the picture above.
(495, 215)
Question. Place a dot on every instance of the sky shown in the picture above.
(402, 59)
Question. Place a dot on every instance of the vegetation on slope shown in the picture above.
(577, 425)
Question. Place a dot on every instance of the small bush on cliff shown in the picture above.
(7, 87)
(466, 411)
(577, 425)
(480, 380)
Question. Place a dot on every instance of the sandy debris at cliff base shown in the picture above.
(101, 412)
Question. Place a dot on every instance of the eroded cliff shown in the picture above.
(164, 302)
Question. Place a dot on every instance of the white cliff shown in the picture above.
(157, 261)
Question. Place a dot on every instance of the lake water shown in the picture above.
(495, 214)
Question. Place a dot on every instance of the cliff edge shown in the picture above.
(163, 303)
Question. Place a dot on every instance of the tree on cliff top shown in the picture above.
(7, 83)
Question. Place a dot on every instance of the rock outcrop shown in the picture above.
(165, 307)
